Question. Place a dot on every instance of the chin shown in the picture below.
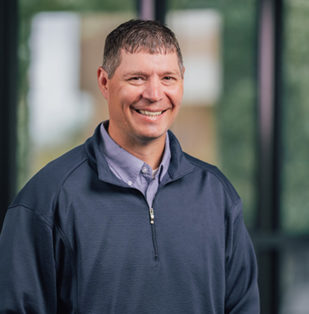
(148, 137)
(151, 132)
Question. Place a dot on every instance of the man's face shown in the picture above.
(143, 96)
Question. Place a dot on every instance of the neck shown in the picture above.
(150, 151)
(150, 154)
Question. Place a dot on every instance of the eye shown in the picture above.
(168, 79)
(135, 78)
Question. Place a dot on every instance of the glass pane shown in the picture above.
(217, 119)
(295, 186)
(295, 281)
(60, 49)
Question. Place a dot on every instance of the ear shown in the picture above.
(103, 82)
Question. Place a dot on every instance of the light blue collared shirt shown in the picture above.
(133, 171)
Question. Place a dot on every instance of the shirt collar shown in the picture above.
(126, 166)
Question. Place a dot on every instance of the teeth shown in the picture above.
(150, 113)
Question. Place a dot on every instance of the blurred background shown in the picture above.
(245, 107)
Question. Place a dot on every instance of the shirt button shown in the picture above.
(144, 170)
(130, 182)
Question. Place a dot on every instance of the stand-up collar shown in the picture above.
(126, 166)
(178, 167)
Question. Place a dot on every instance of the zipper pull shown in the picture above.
(151, 213)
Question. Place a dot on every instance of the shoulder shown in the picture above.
(214, 178)
(200, 175)
(40, 192)
(57, 170)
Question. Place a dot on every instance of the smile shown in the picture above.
(150, 113)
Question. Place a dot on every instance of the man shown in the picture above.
(127, 222)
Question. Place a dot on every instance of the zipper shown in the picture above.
(153, 231)
(151, 214)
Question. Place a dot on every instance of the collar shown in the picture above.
(126, 166)
(178, 167)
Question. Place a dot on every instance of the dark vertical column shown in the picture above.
(152, 10)
(269, 142)
(8, 102)
(160, 10)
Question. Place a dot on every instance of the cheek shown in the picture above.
(176, 96)
(128, 95)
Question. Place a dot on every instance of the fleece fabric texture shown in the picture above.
(78, 240)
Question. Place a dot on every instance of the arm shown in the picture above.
(27, 264)
(242, 296)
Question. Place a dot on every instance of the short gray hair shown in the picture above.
(135, 36)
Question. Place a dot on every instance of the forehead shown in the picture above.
(145, 61)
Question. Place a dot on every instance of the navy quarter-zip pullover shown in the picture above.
(78, 240)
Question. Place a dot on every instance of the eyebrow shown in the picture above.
(140, 73)
(171, 73)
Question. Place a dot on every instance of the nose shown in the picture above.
(153, 90)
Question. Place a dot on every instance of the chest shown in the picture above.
(118, 225)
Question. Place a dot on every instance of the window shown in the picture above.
(59, 103)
